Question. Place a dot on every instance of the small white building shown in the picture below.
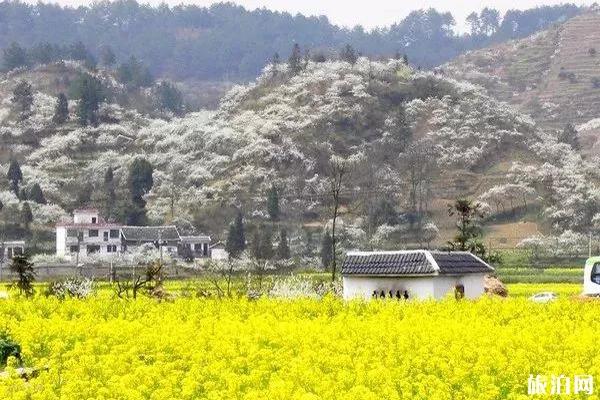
(87, 234)
(413, 274)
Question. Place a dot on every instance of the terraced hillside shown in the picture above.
(554, 76)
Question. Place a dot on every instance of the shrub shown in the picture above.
(8, 348)
(71, 288)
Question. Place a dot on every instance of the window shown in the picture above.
(198, 247)
(596, 274)
(74, 249)
(93, 249)
(111, 248)
(17, 251)
(114, 233)
(205, 249)
(72, 233)
(94, 220)
(105, 236)
(93, 233)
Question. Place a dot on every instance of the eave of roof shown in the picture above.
(413, 263)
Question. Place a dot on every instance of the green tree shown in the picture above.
(134, 74)
(25, 274)
(61, 110)
(468, 237)
(273, 204)
(569, 136)
(139, 182)
(283, 248)
(169, 98)
(78, 52)
(262, 244)
(26, 215)
(236, 237)
(23, 98)
(14, 57)
(348, 54)
(90, 93)
(15, 176)
(36, 194)
(110, 197)
(275, 61)
(326, 250)
(295, 60)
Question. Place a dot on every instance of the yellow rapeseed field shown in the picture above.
(102, 348)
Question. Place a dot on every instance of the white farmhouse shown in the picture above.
(87, 233)
(420, 274)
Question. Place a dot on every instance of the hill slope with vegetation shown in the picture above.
(553, 75)
(226, 42)
(385, 146)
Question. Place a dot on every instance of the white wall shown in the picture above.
(85, 217)
(435, 287)
(358, 286)
(61, 241)
(473, 284)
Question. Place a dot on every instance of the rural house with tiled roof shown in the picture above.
(410, 274)
(87, 233)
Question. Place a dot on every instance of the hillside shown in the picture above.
(417, 141)
(553, 75)
(226, 42)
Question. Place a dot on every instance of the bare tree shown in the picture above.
(339, 172)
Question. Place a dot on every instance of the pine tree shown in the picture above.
(275, 63)
(326, 250)
(283, 248)
(26, 215)
(110, 195)
(569, 136)
(266, 244)
(262, 244)
(169, 98)
(15, 176)
(23, 98)
(348, 54)
(295, 60)
(90, 93)
(36, 194)
(23, 269)
(14, 57)
(273, 204)
(405, 59)
(236, 237)
(139, 182)
(61, 110)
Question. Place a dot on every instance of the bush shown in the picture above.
(78, 288)
(8, 348)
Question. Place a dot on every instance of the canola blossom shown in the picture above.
(101, 348)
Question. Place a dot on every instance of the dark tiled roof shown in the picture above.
(150, 233)
(459, 263)
(415, 262)
(387, 263)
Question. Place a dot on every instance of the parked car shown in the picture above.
(544, 297)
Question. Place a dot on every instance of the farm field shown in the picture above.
(193, 348)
